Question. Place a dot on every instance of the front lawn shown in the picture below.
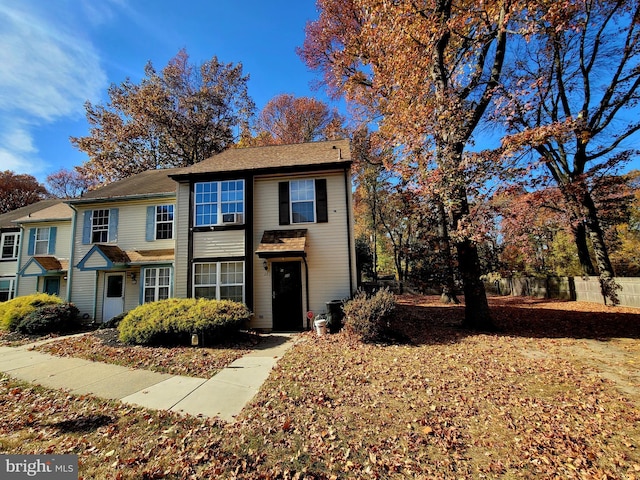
(554, 394)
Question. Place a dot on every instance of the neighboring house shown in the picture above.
(123, 245)
(269, 226)
(49, 216)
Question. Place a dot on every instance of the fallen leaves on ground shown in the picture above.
(519, 403)
(104, 346)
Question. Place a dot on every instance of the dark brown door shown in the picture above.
(287, 296)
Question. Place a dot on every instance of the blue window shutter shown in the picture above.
(52, 240)
(32, 241)
(113, 225)
(151, 224)
(86, 228)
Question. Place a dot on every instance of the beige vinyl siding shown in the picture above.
(27, 286)
(327, 248)
(132, 218)
(181, 269)
(8, 268)
(216, 244)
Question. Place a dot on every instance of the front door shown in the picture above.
(52, 285)
(113, 296)
(287, 296)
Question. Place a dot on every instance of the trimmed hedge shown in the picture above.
(368, 316)
(15, 311)
(173, 321)
(58, 318)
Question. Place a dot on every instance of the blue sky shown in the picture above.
(56, 54)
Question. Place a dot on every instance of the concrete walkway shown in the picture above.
(223, 395)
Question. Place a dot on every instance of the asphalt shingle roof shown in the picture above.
(7, 219)
(272, 157)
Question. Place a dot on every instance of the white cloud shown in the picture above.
(17, 149)
(49, 69)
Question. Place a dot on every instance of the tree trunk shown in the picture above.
(477, 315)
(608, 286)
(448, 284)
(580, 237)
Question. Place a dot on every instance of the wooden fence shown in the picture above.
(567, 288)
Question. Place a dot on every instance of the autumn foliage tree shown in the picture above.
(172, 118)
(571, 102)
(430, 69)
(68, 183)
(287, 119)
(19, 190)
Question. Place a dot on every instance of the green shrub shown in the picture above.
(16, 310)
(173, 321)
(58, 318)
(369, 316)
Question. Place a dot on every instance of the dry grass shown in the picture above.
(527, 402)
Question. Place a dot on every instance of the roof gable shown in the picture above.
(43, 265)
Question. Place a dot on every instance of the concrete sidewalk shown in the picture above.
(223, 395)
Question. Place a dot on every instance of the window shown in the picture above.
(219, 280)
(157, 282)
(10, 244)
(302, 201)
(7, 286)
(164, 222)
(100, 226)
(42, 241)
(217, 203)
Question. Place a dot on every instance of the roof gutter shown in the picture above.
(85, 201)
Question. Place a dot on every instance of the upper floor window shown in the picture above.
(42, 241)
(100, 226)
(159, 222)
(303, 201)
(10, 243)
(219, 203)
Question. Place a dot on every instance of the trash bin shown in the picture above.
(334, 315)
(321, 325)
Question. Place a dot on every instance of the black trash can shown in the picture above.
(334, 316)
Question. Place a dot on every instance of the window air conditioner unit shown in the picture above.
(231, 218)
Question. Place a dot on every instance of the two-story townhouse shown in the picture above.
(123, 245)
(269, 226)
(10, 243)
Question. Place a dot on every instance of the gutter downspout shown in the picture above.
(347, 193)
(73, 250)
(306, 280)
(95, 297)
(18, 266)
